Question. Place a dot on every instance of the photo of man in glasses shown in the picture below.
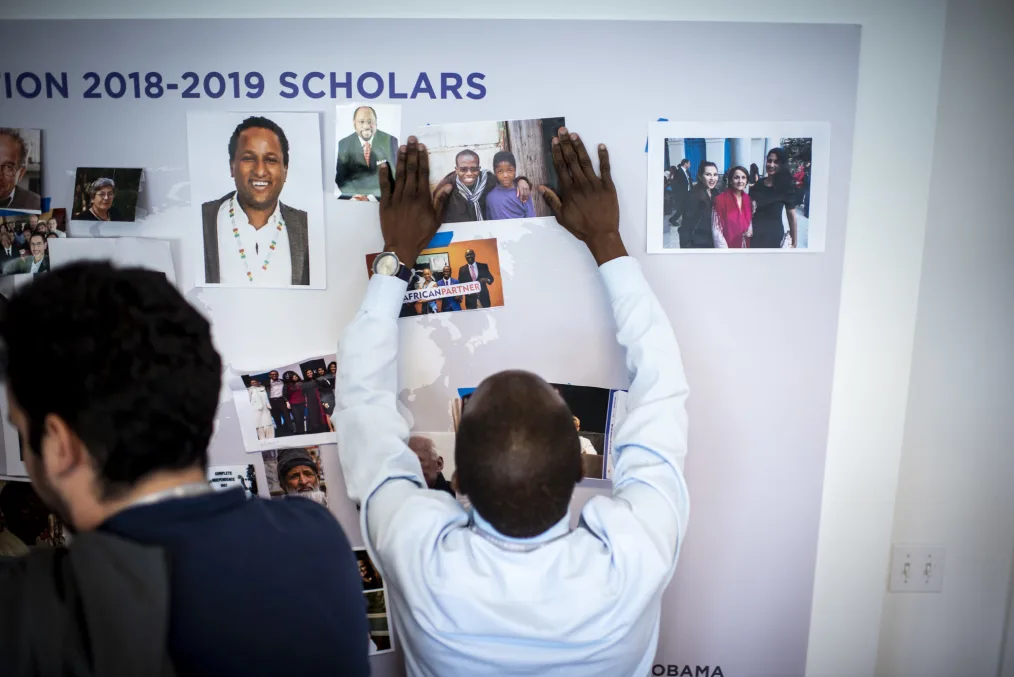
(14, 155)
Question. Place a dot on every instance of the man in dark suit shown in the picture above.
(13, 165)
(265, 229)
(358, 156)
(681, 185)
(473, 272)
(8, 252)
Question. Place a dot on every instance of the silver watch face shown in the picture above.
(386, 263)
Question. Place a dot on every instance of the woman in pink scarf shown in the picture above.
(733, 213)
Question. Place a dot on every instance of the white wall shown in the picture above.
(956, 484)
(896, 111)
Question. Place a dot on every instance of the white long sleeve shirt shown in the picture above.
(466, 600)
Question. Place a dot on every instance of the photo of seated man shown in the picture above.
(295, 473)
(359, 153)
(432, 462)
(21, 169)
(494, 167)
(104, 194)
(468, 278)
(367, 571)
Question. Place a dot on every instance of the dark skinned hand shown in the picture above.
(586, 206)
(409, 217)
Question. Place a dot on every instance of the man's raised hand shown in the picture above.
(586, 205)
(409, 217)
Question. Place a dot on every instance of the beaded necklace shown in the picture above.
(239, 241)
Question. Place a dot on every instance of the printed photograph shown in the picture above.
(290, 405)
(435, 451)
(295, 472)
(367, 134)
(367, 571)
(495, 167)
(21, 170)
(720, 192)
(223, 477)
(379, 624)
(25, 521)
(596, 413)
(106, 194)
(18, 256)
(255, 185)
(459, 276)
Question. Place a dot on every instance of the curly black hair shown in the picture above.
(143, 377)
(258, 122)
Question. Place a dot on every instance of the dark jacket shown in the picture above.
(295, 224)
(352, 175)
(99, 607)
(485, 279)
(459, 210)
(24, 199)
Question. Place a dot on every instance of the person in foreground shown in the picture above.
(163, 574)
(508, 587)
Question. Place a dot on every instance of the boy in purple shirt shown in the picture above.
(503, 202)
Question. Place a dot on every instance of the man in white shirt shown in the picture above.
(279, 405)
(250, 237)
(508, 587)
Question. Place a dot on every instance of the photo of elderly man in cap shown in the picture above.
(299, 475)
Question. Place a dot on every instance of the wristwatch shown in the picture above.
(387, 263)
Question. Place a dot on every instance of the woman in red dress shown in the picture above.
(733, 213)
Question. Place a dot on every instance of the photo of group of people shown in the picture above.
(21, 170)
(295, 472)
(291, 401)
(596, 413)
(106, 194)
(367, 136)
(24, 241)
(25, 521)
(494, 167)
(732, 193)
(255, 187)
(458, 276)
(223, 477)
(374, 594)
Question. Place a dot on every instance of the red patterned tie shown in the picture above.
(366, 152)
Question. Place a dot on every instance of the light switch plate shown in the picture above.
(917, 568)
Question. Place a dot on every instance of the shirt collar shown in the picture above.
(362, 142)
(559, 529)
(242, 219)
(10, 198)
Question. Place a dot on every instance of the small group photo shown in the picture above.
(24, 241)
(290, 405)
(733, 187)
(297, 472)
(223, 477)
(495, 167)
(106, 194)
(255, 187)
(595, 413)
(458, 276)
(366, 135)
(21, 170)
(25, 521)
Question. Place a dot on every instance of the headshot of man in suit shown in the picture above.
(476, 272)
(13, 167)
(250, 237)
(359, 154)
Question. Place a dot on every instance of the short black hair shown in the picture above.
(504, 156)
(684, 161)
(467, 151)
(517, 454)
(258, 122)
(15, 135)
(359, 108)
(146, 375)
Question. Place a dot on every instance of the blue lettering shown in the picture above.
(289, 88)
(345, 84)
(32, 78)
(446, 80)
(473, 82)
(7, 85)
(60, 86)
(422, 84)
(394, 93)
(314, 75)
(372, 76)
